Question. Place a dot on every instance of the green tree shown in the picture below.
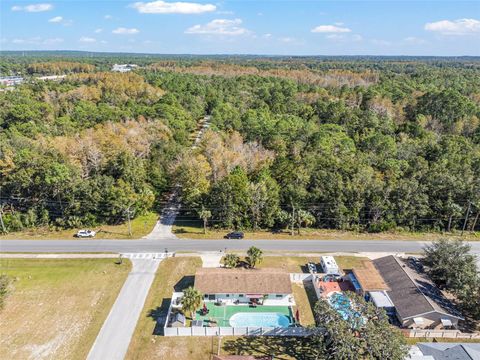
(367, 335)
(254, 256)
(191, 301)
(204, 214)
(231, 260)
(450, 264)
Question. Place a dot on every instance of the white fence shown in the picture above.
(236, 331)
(453, 334)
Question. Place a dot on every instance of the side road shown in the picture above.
(114, 338)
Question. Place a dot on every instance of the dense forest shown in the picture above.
(370, 144)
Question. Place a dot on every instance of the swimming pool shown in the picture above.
(243, 319)
(340, 302)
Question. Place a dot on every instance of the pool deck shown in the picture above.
(223, 313)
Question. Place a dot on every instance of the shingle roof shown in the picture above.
(242, 281)
(451, 351)
(412, 294)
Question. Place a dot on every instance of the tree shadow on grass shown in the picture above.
(159, 315)
(281, 348)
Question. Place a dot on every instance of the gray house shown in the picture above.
(418, 303)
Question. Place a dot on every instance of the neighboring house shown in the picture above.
(445, 351)
(237, 286)
(418, 303)
(329, 265)
(123, 67)
(11, 80)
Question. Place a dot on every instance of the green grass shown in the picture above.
(194, 230)
(141, 226)
(57, 307)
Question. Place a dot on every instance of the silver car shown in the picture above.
(85, 234)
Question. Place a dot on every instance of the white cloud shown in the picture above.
(219, 27)
(108, 17)
(98, 31)
(56, 19)
(455, 27)
(267, 36)
(330, 29)
(86, 39)
(33, 7)
(125, 31)
(163, 7)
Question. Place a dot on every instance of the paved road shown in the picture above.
(114, 338)
(173, 244)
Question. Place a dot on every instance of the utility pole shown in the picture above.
(128, 212)
(1, 219)
(466, 218)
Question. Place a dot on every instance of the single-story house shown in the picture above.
(241, 286)
(418, 303)
(329, 265)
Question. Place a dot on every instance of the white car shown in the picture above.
(85, 233)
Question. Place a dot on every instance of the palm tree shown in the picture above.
(254, 256)
(205, 214)
(231, 260)
(191, 300)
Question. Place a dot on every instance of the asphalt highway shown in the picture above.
(174, 244)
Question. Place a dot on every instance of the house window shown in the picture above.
(205, 296)
(279, 295)
(211, 297)
(240, 295)
(227, 295)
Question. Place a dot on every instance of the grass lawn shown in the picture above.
(192, 230)
(56, 307)
(177, 273)
(147, 343)
(141, 226)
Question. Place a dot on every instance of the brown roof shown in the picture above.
(369, 277)
(242, 281)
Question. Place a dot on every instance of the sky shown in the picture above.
(268, 27)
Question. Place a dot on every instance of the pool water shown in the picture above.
(243, 319)
(341, 303)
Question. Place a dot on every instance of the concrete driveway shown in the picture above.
(114, 338)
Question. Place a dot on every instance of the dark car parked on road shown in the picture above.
(235, 235)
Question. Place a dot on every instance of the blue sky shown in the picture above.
(283, 27)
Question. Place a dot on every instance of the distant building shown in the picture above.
(329, 265)
(11, 80)
(123, 67)
(418, 303)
